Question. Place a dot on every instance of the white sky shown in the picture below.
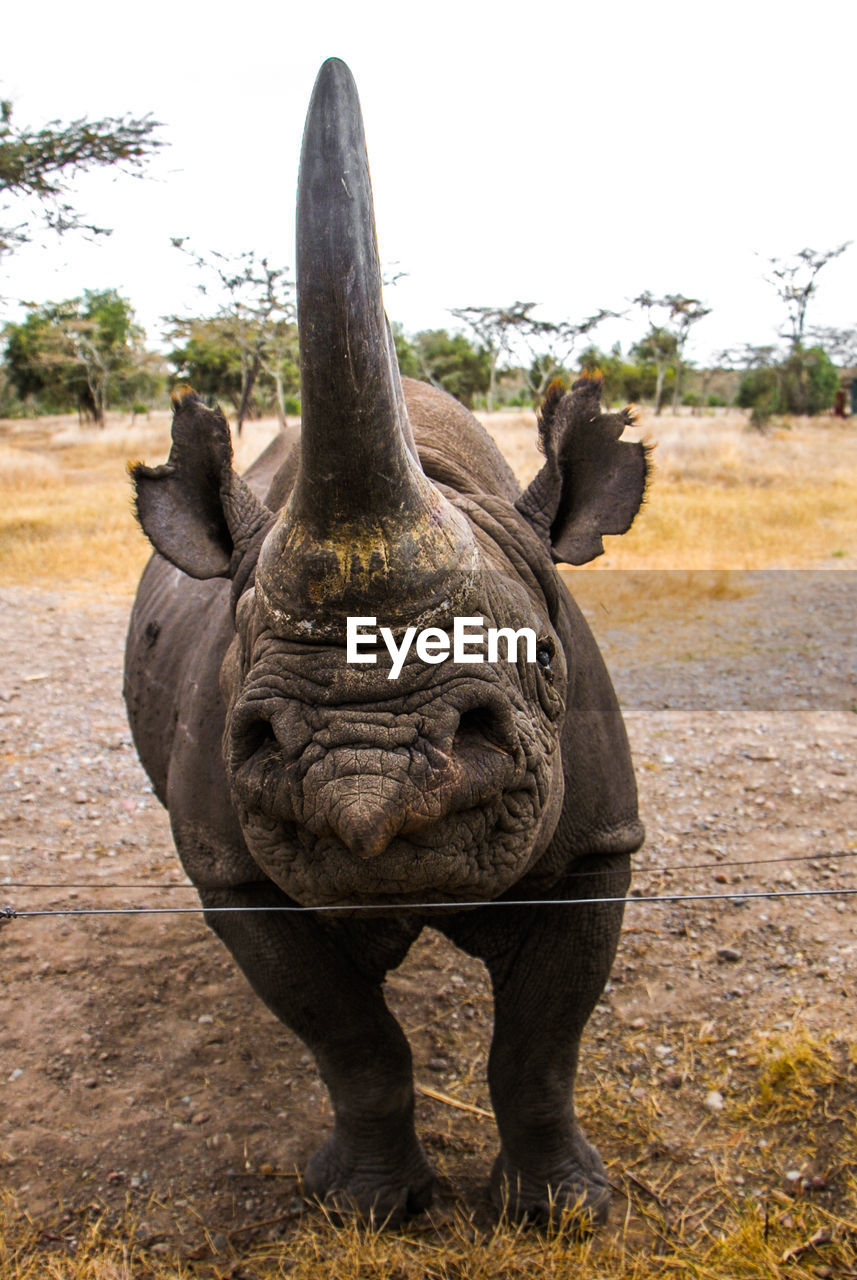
(568, 154)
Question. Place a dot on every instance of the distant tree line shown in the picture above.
(88, 354)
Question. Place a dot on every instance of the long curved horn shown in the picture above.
(364, 529)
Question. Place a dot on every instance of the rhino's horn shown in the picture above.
(364, 530)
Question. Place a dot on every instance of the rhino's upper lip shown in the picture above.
(383, 875)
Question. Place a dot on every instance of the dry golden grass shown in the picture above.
(721, 497)
(713, 1225)
(66, 516)
(802, 1243)
(65, 504)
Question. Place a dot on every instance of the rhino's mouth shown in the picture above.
(470, 855)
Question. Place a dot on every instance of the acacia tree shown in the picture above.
(84, 351)
(551, 346)
(669, 321)
(37, 166)
(257, 317)
(684, 314)
(624, 378)
(657, 347)
(204, 355)
(747, 356)
(496, 328)
(800, 379)
(795, 280)
(759, 388)
(105, 341)
(206, 352)
(803, 380)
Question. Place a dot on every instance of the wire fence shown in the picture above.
(670, 870)
(10, 913)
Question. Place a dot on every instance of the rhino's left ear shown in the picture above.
(195, 510)
(592, 483)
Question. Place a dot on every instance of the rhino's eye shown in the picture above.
(544, 656)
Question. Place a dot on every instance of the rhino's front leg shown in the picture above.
(304, 973)
(548, 967)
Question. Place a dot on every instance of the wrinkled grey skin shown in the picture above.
(292, 777)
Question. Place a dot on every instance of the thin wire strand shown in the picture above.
(10, 913)
(641, 870)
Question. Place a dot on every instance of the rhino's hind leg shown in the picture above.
(372, 1163)
(548, 967)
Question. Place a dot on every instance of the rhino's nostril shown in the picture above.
(478, 728)
(254, 735)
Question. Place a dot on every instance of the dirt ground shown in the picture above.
(138, 1070)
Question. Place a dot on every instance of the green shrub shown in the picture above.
(805, 382)
(811, 381)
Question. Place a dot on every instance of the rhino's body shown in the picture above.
(293, 777)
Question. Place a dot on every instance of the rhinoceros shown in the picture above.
(345, 805)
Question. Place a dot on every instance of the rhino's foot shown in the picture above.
(576, 1185)
(383, 1190)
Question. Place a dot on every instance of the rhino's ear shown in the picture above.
(195, 510)
(592, 483)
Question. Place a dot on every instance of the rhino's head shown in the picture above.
(445, 783)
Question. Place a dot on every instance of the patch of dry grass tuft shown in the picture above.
(796, 1071)
(753, 1243)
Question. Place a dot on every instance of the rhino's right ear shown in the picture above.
(592, 483)
(195, 510)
